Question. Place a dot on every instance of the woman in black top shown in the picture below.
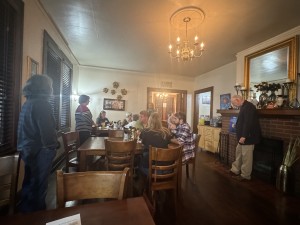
(155, 135)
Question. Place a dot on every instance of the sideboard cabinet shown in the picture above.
(209, 139)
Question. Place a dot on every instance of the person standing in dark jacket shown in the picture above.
(37, 142)
(248, 134)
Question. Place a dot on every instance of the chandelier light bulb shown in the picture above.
(202, 46)
(196, 39)
(178, 40)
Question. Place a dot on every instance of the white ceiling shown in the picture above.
(133, 35)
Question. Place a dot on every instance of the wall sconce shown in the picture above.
(237, 88)
(75, 97)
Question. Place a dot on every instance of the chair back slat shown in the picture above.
(90, 185)
(120, 153)
(164, 165)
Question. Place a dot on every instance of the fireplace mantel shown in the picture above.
(288, 113)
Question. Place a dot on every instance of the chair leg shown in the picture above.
(194, 170)
(187, 170)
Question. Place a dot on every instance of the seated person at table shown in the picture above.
(101, 120)
(155, 135)
(127, 120)
(135, 118)
(143, 120)
(183, 136)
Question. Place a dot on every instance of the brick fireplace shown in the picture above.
(276, 124)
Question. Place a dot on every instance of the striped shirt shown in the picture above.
(83, 118)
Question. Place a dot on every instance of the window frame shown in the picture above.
(58, 101)
(11, 72)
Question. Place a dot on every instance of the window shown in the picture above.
(59, 68)
(11, 20)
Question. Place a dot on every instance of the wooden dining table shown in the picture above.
(131, 211)
(95, 146)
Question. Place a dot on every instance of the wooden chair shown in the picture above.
(164, 166)
(71, 144)
(192, 161)
(115, 133)
(90, 185)
(9, 173)
(119, 155)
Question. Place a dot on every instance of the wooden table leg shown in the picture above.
(82, 162)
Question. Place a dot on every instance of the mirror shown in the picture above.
(274, 64)
(203, 104)
(165, 101)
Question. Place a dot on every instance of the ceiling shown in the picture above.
(133, 35)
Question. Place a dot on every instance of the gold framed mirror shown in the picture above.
(274, 64)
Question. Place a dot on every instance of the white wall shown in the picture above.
(222, 79)
(35, 22)
(92, 81)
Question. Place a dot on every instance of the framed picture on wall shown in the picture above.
(225, 101)
(113, 104)
(32, 66)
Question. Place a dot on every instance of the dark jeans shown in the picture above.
(35, 183)
(83, 136)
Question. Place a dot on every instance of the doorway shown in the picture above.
(166, 101)
(203, 102)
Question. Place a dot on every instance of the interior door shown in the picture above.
(203, 102)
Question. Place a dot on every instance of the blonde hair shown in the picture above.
(154, 124)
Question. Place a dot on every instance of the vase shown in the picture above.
(272, 97)
(285, 180)
(263, 98)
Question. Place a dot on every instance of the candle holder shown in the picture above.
(244, 93)
(237, 88)
(286, 87)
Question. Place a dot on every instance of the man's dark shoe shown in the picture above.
(232, 173)
(240, 178)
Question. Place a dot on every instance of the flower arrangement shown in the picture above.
(263, 87)
(292, 154)
(274, 87)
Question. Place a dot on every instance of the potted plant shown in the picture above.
(285, 176)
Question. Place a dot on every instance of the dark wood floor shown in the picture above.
(216, 198)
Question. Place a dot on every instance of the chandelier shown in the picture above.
(162, 95)
(184, 20)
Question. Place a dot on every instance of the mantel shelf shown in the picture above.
(264, 112)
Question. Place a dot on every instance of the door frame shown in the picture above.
(182, 93)
(196, 105)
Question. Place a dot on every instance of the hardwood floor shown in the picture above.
(216, 198)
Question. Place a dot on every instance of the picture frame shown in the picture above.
(32, 66)
(113, 104)
(225, 101)
(282, 61)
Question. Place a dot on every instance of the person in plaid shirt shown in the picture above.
(183, 136)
